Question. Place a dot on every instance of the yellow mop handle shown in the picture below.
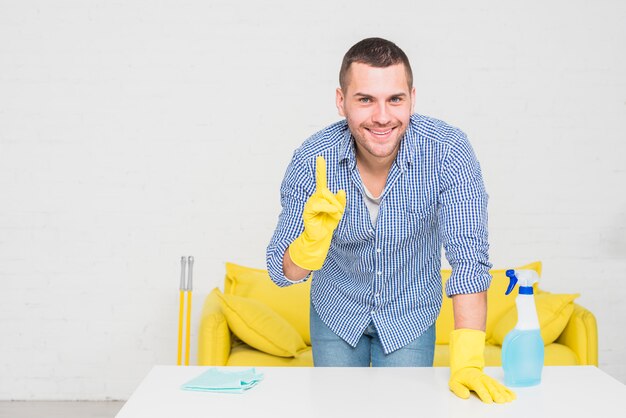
(180, 327)
(181, 309)
(188, 327)
(189, 289)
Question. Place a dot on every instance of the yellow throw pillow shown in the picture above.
(291, 303)
(553, 310)
(497, 302)
(260, 327)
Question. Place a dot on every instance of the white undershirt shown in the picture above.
(372, 203)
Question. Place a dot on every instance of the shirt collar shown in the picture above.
(348, 154)
(408, 145)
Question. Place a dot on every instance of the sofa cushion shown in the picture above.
(259, 326)
(291, 303)
(244, 355)
(497, 302)
(553, 311)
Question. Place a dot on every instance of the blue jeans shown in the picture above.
(329, 350)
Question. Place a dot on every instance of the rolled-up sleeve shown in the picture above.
(297, 186)
(463, 220)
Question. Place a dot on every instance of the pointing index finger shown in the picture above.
(320, 173)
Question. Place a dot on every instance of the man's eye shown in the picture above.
(396, 100)
(364, 100)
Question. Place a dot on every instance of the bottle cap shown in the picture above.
(526, 278)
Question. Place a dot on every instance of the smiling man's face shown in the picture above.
(377, 103)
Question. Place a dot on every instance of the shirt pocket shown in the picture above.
(411, 223)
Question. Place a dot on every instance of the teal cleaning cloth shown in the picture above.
(222, 381)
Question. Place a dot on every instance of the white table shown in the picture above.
(373, 392)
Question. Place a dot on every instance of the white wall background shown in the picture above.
(132, 133)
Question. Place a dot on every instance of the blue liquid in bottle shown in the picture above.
(522, 358)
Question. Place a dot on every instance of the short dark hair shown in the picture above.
(375, 52)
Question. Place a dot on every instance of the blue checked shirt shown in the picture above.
(389, 273)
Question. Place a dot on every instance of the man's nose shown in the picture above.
(381, 114)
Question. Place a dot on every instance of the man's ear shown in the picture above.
(340, 101)
(413, 100)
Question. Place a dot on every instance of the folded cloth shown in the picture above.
(222, 381)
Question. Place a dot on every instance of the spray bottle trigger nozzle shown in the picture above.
(512, 281)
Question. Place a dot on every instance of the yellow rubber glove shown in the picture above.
(467, 360)
(321, 215)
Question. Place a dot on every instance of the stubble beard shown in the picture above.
(364, 140)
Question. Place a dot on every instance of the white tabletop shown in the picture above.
(372, 392)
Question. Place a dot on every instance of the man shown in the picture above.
(367, 204)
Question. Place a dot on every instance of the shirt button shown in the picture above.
(379, 272)
(378, 250)
(371, 231)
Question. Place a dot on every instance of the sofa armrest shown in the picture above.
(581, 335)
(214, 340)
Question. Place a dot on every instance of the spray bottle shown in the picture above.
(522, 349)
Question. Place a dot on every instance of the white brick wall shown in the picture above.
(132, 133)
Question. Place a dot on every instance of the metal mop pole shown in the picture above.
(189, 292)
(183, 264)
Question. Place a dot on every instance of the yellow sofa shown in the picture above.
(253, 322)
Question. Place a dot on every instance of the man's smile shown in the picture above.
(381, 133)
